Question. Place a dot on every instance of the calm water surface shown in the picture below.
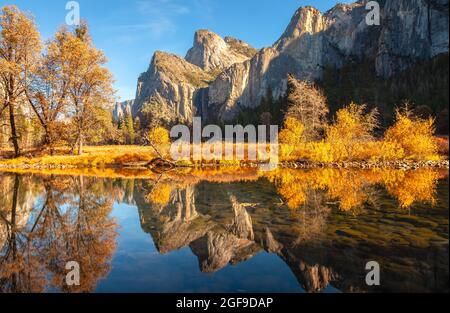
(225, 231)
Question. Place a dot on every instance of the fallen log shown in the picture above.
(161, 164)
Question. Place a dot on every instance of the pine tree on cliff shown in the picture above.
(307, 104)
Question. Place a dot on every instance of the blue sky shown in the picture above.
(130, 31)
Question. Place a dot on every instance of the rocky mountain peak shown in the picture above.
(220, 76)
(173, 68)
(167, 88)
(306, 20)
(212, 53)
(241, 47)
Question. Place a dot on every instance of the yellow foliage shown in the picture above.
(320, 152)
(159, 139)
(378, 151)
(159, 136)
(350, 138)
(352, 188)
(388, 151)
(409, 187)
(292, 132)
(291, 186)
(350, 131)
(160, 194)
(414, 136)
(287, 152)
(93, 157)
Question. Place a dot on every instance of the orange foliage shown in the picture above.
(160, 194)
(411, 186)
(352, 188)
(415, 136)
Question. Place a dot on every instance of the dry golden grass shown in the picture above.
(103, 156)
(118, 156)
(111, 156)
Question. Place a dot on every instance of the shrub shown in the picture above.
(352, 128)
(292, 139)
(292, 132)
(320, 152)
(414, 135)
(159, 140)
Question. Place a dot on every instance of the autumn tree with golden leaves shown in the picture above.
(90, 87)
(48, 95)
(20, 46)
(353, 128)
(159, 139)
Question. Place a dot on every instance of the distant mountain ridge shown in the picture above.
(121, 109)
(218, 77)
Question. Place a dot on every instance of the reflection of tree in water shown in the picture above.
(322, 246)
(311, 216)
(20, 268)
(228, 224)
(355, 188)
(72, 224)
(411, 186)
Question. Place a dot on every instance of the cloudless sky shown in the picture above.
(130, 31)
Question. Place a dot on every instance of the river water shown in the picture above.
(229, 230)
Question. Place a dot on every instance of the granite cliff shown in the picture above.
(122, 108)
(219, 77)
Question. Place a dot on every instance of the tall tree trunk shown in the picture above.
(80, 133)
(80, 144)
(14, 137)
(48, 141)
(14, 278)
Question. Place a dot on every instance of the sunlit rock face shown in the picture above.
(409, 31)
(122, 108)
(213, 53)
(414, 30)
(219, 76)
(229, 74)
(168, 88)
(171, 83)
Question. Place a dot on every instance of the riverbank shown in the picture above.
(401, 164)
(93, 157)
(138, 157)
(86, 162)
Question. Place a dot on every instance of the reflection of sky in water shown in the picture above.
(289, 232)
(138, 267)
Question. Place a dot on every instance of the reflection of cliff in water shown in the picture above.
(325, 225)
(322, 245)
